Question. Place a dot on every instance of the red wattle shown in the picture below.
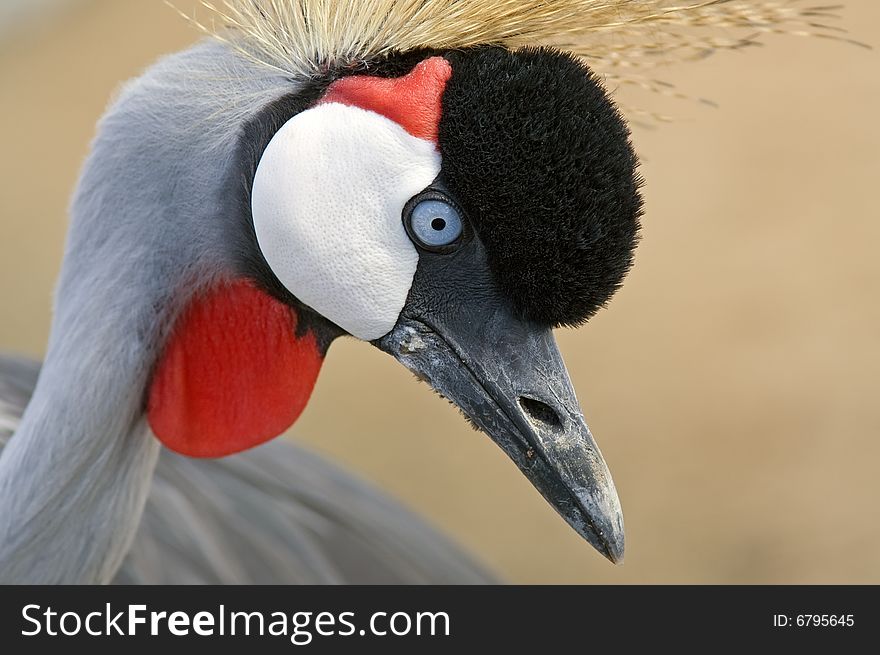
(413, 101)
(233, 375)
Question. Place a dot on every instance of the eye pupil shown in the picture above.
(438, 224)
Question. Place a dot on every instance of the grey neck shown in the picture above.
(75, 475)
(147, 230)
(73, 483)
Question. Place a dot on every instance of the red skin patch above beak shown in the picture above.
(414, 101)
(233, 375)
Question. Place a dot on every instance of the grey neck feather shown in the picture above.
(146, 232)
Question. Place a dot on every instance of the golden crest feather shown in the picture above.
(617, 37)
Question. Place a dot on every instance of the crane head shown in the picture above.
(449, 207)
(453, 216)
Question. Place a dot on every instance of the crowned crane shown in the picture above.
(430, 177)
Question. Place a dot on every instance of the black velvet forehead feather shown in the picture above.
(540, 159)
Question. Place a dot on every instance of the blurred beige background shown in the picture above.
(732, 384)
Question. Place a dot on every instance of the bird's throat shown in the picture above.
(237, 370)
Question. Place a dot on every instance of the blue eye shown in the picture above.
(434, 224)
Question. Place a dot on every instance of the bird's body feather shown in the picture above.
(275, 514)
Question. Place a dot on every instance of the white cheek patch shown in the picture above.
(327, 205)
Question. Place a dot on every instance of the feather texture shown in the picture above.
(275, 514)
(308, 37)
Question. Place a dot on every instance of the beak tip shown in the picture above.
(614, 551)
(611, 544)
(604, 530)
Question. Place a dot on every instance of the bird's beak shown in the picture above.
(508, 377)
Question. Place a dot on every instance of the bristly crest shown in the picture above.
(309, 37)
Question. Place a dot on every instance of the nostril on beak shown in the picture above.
(540, 413)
